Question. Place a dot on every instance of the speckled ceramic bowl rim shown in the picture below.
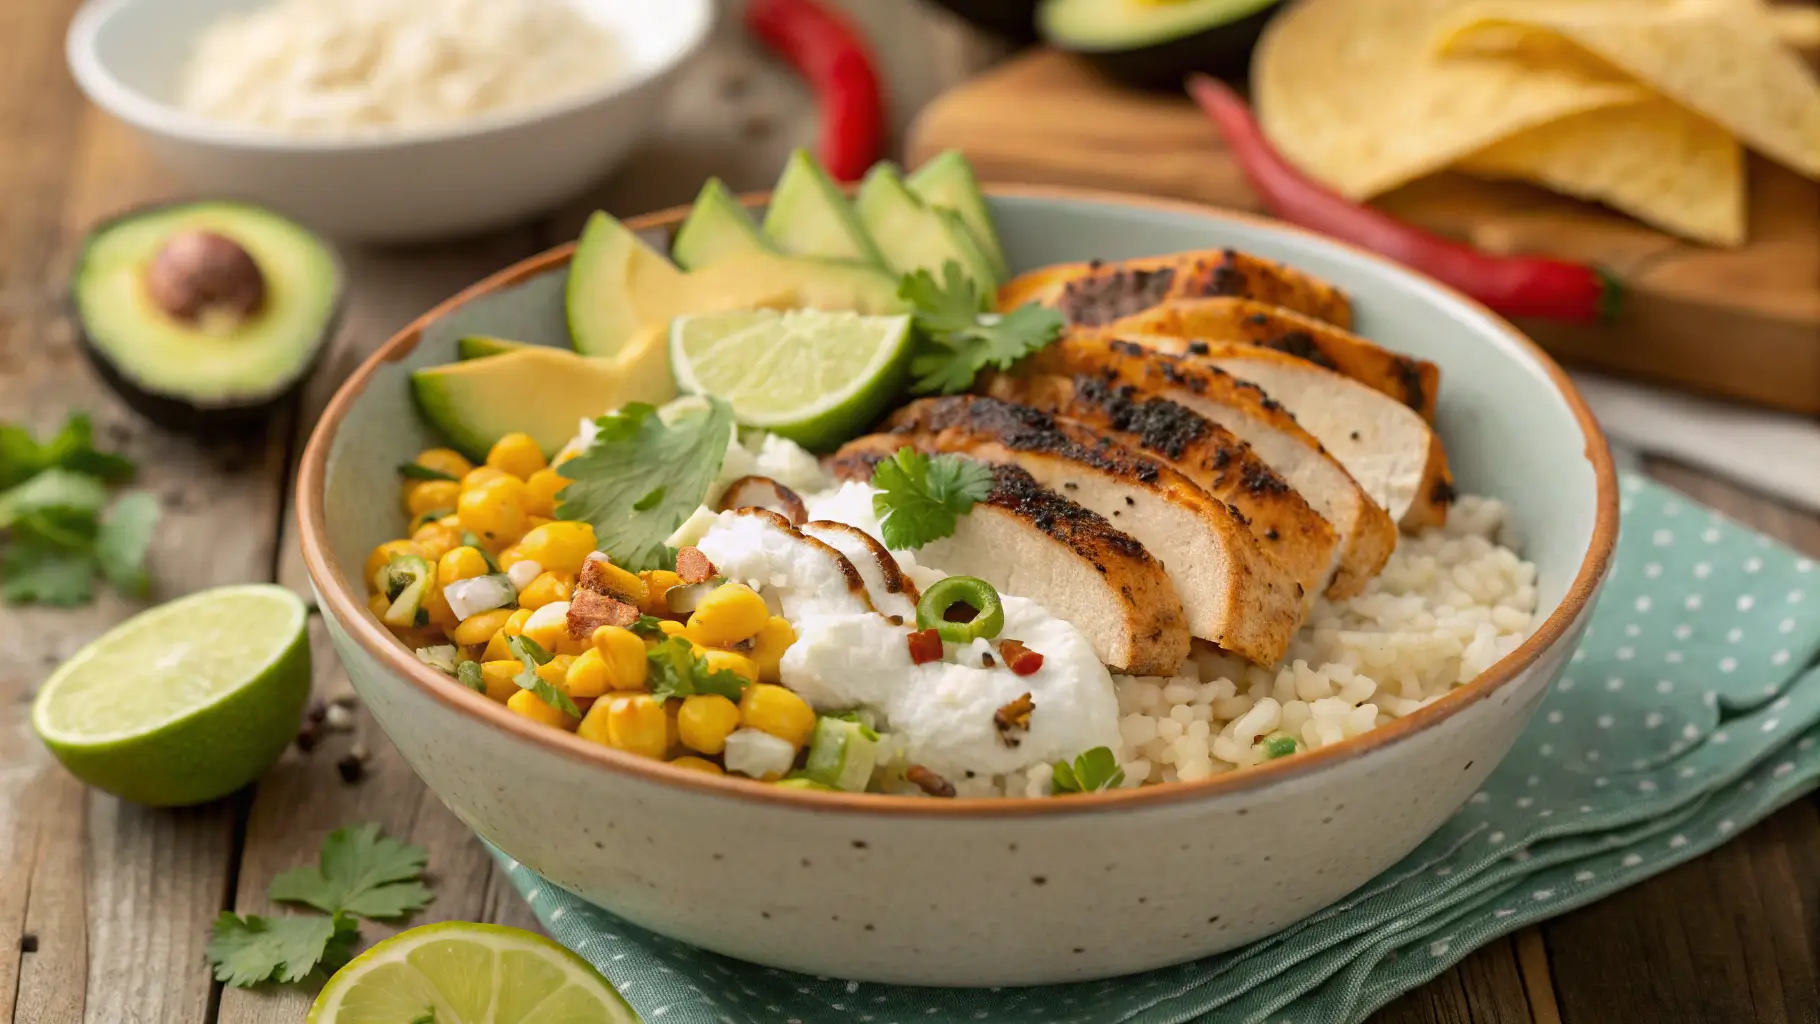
(349, 608)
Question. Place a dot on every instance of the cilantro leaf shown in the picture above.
(919, 497)
(650, 627)
(469, 674)
(675, 671)
(532, 654)
(34, 570)
(643, 474)
(57, 496)
(124, 539)
(1091, 772)
(246, 951)
(959, 340)
(22, 457)
(360, 872)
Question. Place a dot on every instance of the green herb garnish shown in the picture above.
(532, 655)
(676, 671)
(920, 497)
(471, 540)
(1280, 745)
(417, 471)
(649, 627)
(1091, 772)
(468, 673)
(246, 951)
(56, 530)
(959, 340)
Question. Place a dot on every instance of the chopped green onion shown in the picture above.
(1280, 745)
(988, 614)
(470, 676)
(405, 582)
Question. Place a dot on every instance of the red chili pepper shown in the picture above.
(1021, 660)
(925, 646)
(831, 54)
(1511, 285)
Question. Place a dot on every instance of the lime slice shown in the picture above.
(185, 702)
(463, 973)
(815, 377)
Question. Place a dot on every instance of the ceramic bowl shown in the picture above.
(983, 892)
(396, 185)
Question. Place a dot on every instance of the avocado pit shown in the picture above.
(200, 274)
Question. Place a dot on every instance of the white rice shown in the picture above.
(1450, 603)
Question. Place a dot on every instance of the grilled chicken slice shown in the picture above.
(803, 574)
(1414, 382)
(893, 593)
(1030, 541)
(1367, 533)
(1232, 593)
(1387, 447)
(1281, 520)
(1097, 293)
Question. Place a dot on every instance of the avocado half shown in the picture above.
(203, 316)
(1154, 44)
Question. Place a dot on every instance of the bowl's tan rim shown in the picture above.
(341, 601)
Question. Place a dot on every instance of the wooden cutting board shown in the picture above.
(1742, 323)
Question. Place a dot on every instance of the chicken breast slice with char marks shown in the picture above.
(1387, 447)
(1411, 381)
(803, 574)
(1097, 293)
(1367, 533)
(893, 593)
(1233, 594)
(1029, 541)
(1281, 520)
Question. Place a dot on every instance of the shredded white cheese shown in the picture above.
(326, 67)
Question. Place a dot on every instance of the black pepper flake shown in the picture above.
(987, 660)
(351, 768)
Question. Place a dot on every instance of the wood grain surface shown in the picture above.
(105, 907)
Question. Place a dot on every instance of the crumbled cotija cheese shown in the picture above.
(319, 67)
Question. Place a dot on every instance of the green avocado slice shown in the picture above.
(808, 216)
(205, 314)
(913, 236)
(947, 182)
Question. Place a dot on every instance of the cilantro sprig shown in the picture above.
(360, 874)
(676, 671)
(920, 497)
(56, 529)
(532, 655)
(643, 474)
(959, 341)
(1091, 772)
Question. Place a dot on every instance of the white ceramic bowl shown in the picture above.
(983, 892)
(401, 185)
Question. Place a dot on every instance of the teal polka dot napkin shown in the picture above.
(1690, 711)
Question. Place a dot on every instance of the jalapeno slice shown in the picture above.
(988, 614)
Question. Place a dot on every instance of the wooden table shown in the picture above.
(109, 905)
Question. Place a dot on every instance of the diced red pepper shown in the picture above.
(1021, 660)
(925, 646)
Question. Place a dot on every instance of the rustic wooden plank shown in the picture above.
(1484, 988)
(1538, 979)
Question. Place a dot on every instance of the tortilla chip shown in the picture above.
(1351, 91)
(1653, 160)
(1714, 58)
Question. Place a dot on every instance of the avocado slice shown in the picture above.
(611, 271)
(810, 216)
(1155, 45)
(544, 392)
(913, 236)
(205, 315)
(477, 346)
(946, 181)
(717, 227)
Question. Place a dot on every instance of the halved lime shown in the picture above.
(184, 702)
(813, 376)
(464, 973)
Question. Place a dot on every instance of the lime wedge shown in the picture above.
(185, 702)
(815, 377)
(463, 973)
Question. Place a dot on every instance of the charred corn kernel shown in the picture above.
(588, 674)
(620, 583)
(462, 563)
(480, 627)
(697, 764)
(622, 654)
(516, 454)
(495, 510)
(556, 671)
(445, 460)
(547, 588)
(481, 475)
(436, 539)
(671, 627)
(705, 720)
(498, 649)
(729, 614)
(430, 495)
(731, 661)
(559, 546)
(637, 724)
(532, 706)
(378, 605)
(389, 550)
(657, 583)
(769, 645)
(542, 487)
(437, 607)
(778, 711)
(498, 674)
